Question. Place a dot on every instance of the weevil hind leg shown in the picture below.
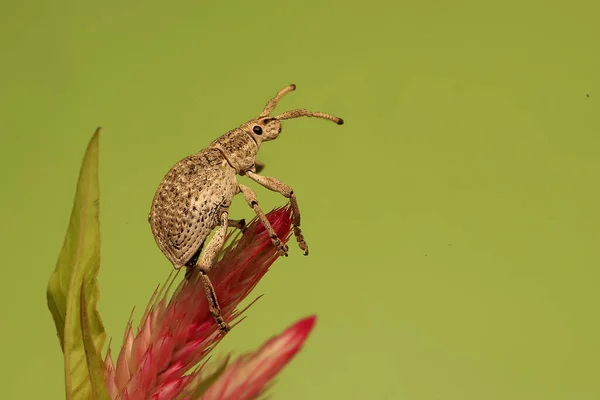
(277, 186)
(192, 261)
(250, 197)
(206, 262)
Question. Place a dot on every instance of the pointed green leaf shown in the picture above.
(79, 259)
(92, 354)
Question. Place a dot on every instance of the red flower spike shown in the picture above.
(177, 333)
(249, 375)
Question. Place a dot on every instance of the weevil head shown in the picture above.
(267, 127)
(263, 129)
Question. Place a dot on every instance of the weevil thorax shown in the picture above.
(240, 145)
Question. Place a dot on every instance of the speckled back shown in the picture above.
(186, 205)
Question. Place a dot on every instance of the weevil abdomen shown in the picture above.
(188, 203)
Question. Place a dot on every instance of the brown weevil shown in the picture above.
(195, 195)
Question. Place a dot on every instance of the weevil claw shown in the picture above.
(224, 328)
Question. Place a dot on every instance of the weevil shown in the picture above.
(194, 196)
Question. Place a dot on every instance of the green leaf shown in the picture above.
(79, 262)
(93, 357)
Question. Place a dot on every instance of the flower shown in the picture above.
(176, 334)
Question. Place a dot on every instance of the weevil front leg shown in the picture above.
(207, 260)
(250, 197)
(286, 191)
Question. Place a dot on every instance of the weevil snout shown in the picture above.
(265, 129)
(272, 128)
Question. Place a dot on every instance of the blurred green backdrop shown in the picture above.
(453, 221)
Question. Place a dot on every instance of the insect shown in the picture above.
(194, 196)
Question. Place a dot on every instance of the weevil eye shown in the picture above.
(257, 129)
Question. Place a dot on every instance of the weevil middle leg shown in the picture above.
(286, 191)
(250, 197)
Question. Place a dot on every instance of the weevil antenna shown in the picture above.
(305, 113)
(271, 104)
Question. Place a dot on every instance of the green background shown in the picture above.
(453, 220)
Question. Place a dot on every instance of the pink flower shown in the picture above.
(177, 334)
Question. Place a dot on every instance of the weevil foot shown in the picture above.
(282, 249)
(300, 239)
(303, 246)
(224, 327)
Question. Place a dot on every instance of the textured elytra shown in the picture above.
(195, 195)
(188, 201)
